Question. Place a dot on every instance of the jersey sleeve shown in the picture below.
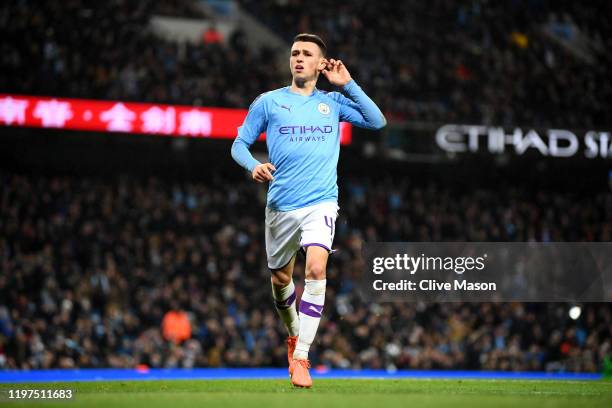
(254, 124)
(359, 109)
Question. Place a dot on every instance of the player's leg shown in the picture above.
(282, 242)
(317, 236)
(313, 298)
(311, 310)
(283, 291)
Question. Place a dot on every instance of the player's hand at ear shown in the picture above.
(263, 172)
(336, 73)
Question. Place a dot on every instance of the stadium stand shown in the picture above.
(88, 62)
(92, 265)
(421, 61)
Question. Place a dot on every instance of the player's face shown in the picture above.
(306, 60)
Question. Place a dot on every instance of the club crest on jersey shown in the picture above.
(323, 108)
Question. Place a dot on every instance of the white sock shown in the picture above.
(311, 310)
(284, 300)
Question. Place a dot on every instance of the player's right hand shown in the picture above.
(263, 172)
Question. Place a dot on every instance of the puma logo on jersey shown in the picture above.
(286, 107)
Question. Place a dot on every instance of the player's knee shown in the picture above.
(315, 270)
(280, 279)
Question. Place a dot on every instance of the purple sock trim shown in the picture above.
(317, 244)
(285, 304)
(311, 309)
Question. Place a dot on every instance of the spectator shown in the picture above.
(212, 35)
(175, 325)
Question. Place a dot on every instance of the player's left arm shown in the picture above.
(358, 109)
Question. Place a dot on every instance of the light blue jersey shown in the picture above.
(303, 138)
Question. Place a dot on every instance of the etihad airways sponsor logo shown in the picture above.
(319, 138)
(302, 130)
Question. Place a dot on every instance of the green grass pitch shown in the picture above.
(326, 393)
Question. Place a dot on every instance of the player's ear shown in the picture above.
(322, 64)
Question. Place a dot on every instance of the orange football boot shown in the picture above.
(291, 342)
(300, 377)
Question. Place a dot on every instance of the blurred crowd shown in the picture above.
(474, 61)
(107, 50)
(126, 272)
(96, 273)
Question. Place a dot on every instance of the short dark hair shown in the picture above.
(313, 38)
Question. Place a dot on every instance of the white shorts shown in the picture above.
(288, 231)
